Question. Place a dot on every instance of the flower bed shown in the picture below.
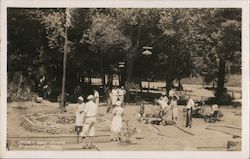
(57, 123)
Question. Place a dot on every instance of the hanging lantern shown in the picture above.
(121, 66)
(147, 52)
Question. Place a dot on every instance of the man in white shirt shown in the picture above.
(90, 112)
(79, 115)
(189, 108)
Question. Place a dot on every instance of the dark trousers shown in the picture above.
(188, 118)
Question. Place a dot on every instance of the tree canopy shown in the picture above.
(186, 42)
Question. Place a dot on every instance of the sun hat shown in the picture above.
(90, 97)
(80, 98)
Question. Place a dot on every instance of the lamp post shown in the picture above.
(67, 24)
(147, 52)
(121, 65)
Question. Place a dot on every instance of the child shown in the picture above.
(116, 125)
(141, 113)
(79, 115)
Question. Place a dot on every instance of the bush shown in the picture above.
(20, 95)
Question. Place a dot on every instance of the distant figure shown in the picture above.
(189, 108)
(96, 96)
(109, 101)
(66, 95)
(164, 97)
(46, 91)
(114, 94)
(141, 112)
(90, 112)
(167, 115)
(174, 109)
(121, 94)
(171, 93)
(79, 115)
(214, 108)
(77, 91)
(116, 125)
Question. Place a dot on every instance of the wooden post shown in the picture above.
(67, 23)
(64, 70)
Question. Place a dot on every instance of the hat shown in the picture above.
(90, 97)
(80, 98)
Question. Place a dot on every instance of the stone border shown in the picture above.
(35, 126)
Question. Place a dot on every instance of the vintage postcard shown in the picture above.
(124, 79)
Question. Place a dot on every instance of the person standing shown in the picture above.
(121, 94)
(109, 101)
(174, 109)
(189, 108)
(116, 125)
(164, 97)
(90, 112)
(96, 96)
(171, 93)
(79, 115)
(141, 112)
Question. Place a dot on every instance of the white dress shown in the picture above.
(116, 125)
(175, 109)
(79, 115)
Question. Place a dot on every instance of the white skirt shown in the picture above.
(79, 119)
(116, 125)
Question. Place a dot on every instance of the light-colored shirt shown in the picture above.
(190, 104)
(114, 92)
(80, 107)
(121, 92)
(163, 104)
(90, 109)
(171, 93)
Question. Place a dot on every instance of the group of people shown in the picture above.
(169, 109)
(86, 112)
(86, 115)
(168, 105)
(115, 95)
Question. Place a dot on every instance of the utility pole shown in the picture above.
(67, 24)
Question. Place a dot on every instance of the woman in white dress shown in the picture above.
(174, 109)
(116, 125)
(79, 115)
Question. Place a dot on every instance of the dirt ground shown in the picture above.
(201, 137)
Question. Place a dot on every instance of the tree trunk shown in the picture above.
(90, 77)
(122, 77)
(130, 63)
(102, 72)
(62, 104)
(168, 84)
(140, 84)
(221, 79)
